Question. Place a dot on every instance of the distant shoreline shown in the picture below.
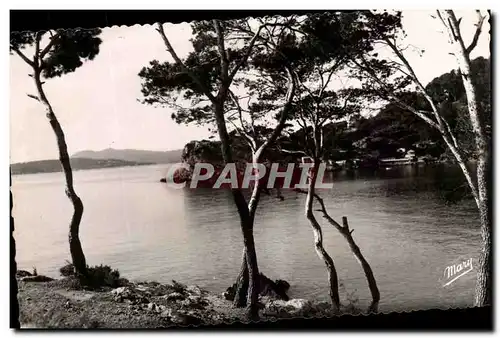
(54, 166)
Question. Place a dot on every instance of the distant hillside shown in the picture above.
(49, 166)
(160, 157)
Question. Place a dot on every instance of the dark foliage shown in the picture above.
(69, 48)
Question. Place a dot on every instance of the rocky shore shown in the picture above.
(63, 303)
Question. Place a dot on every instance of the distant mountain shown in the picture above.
(160, 157)
(49, 166)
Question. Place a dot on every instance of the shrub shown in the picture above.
(102, 275)
(96, 277)
(67, 270)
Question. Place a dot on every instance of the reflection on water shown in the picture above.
(406, 229)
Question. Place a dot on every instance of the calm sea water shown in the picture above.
(404, 227)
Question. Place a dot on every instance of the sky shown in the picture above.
(98, 105)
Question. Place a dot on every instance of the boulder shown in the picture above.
(152, 307)
(288, 309)
(194, 302)
(195, 290)
(129, 294)
(268, 288)
(174, 296)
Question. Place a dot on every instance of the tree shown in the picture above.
(449, 92)
(482, 186)
(212, 68)
(330, 40)
(390, 79)
(314, 108)
(14, 315)
(65, 51)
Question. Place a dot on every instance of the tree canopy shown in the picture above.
(65, 51)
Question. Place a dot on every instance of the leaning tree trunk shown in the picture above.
(318, 240)
(75, 247)
(14, 315)
(372, 283)
(347, 233)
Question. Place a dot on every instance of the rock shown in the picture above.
(37, 278)
(288, 309)
(273, 289)
(166, 313)
(119, 290)
(179, 287)
(186, 319)
(23, 273)
(196, 290)
(282, 284)
(322, 309)
(129, 294)
(230, 293)
(151, 307)
(182, 175)
(194, 302)
(300, 304)
(174, 296)
(268, 288)
(181, 318)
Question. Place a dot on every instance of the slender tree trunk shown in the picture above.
(347, 233)
(318, 240)
(483, 284)
(246, 221)
(483, 149)
(253, 273)
(14, 314)
(240, 295)
(372, 283)
(242, 281)
(483, 291)
(75, 246)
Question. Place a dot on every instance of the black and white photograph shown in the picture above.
(255, 168)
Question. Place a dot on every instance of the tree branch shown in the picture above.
(396, 99)
(23, 57)
(179, 62)
(242, 131)
(284, 112)
(222, 53)
(34, 97)
(47, 48)
(301, 152)
(246, 56)
(479, 26)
